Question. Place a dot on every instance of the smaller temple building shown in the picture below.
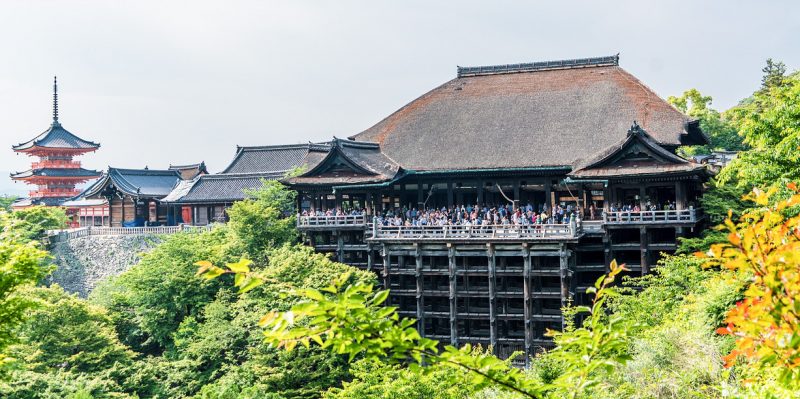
(55, 173)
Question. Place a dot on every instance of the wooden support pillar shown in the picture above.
(371, 258)
(608, 255)
(643, 242)
(420, 196)
(642, 195)
(536, 264)
(368, 203)
(549, 196)
(451, 269)
(339, 247)
(337, 201)
(680, 195)
(420, 298)
(385, 256)
(492, 261)
(606, 199)
(564, 277)
(481, 200)
(516, 194)
(584, 201)
(449, 194)
(527, 303)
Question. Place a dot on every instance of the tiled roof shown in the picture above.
(517, 117)
(57, 172)
(137, 182)
(607, 163)
(349, 162)
(219, 188)
(189, 172)
(278, 158)
(57, 137)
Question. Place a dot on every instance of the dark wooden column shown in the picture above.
(480, 192)
(564, 276)
(608, 255)
(451, 268)
(449, 194)
(643, 242)
(420, 298)
(420, 196)
(492, 262)
(527, 303)
(385, 255)
(339, 247)
(680, 195)
(368, 203)
(642, 195)
(371, 258)
(548, 191)
(516, 194)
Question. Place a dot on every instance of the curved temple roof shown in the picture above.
(77, 173)
(526, 115)
(137, 182)
(56, 137)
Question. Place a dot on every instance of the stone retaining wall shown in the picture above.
(83, 262)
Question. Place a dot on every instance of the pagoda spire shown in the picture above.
(55, 101)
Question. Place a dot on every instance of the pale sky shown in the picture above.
(160, 82)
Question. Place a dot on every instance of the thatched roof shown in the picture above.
(526, 116)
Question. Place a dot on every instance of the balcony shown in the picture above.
(56, 164)
(54, 192)
(534, 232)
(341, 222)
(671, 217)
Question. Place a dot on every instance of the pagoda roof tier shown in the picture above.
(60, 173)
(56, 138)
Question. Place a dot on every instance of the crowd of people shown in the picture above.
(475, 215)
(649, 206)
(465, 215)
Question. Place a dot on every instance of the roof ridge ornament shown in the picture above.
(55, 101)
(612, 60)
(635, 129)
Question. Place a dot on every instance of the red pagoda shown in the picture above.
(55, 174)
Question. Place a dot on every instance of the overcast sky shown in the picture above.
(178, 82)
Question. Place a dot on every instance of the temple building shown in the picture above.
(205, 199)
(134, 197)
(55, 173)
(582, 142)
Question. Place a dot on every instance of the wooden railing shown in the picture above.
(56, 164)
(671, 216)
(117, 231)
(54, 192)
(332, 221)
(490, 232)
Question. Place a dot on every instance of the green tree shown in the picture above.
(68, 347)
(264, 221)
(350, 319)
(6, 201)
(770, 125)
(722, 134)
(22, 264)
